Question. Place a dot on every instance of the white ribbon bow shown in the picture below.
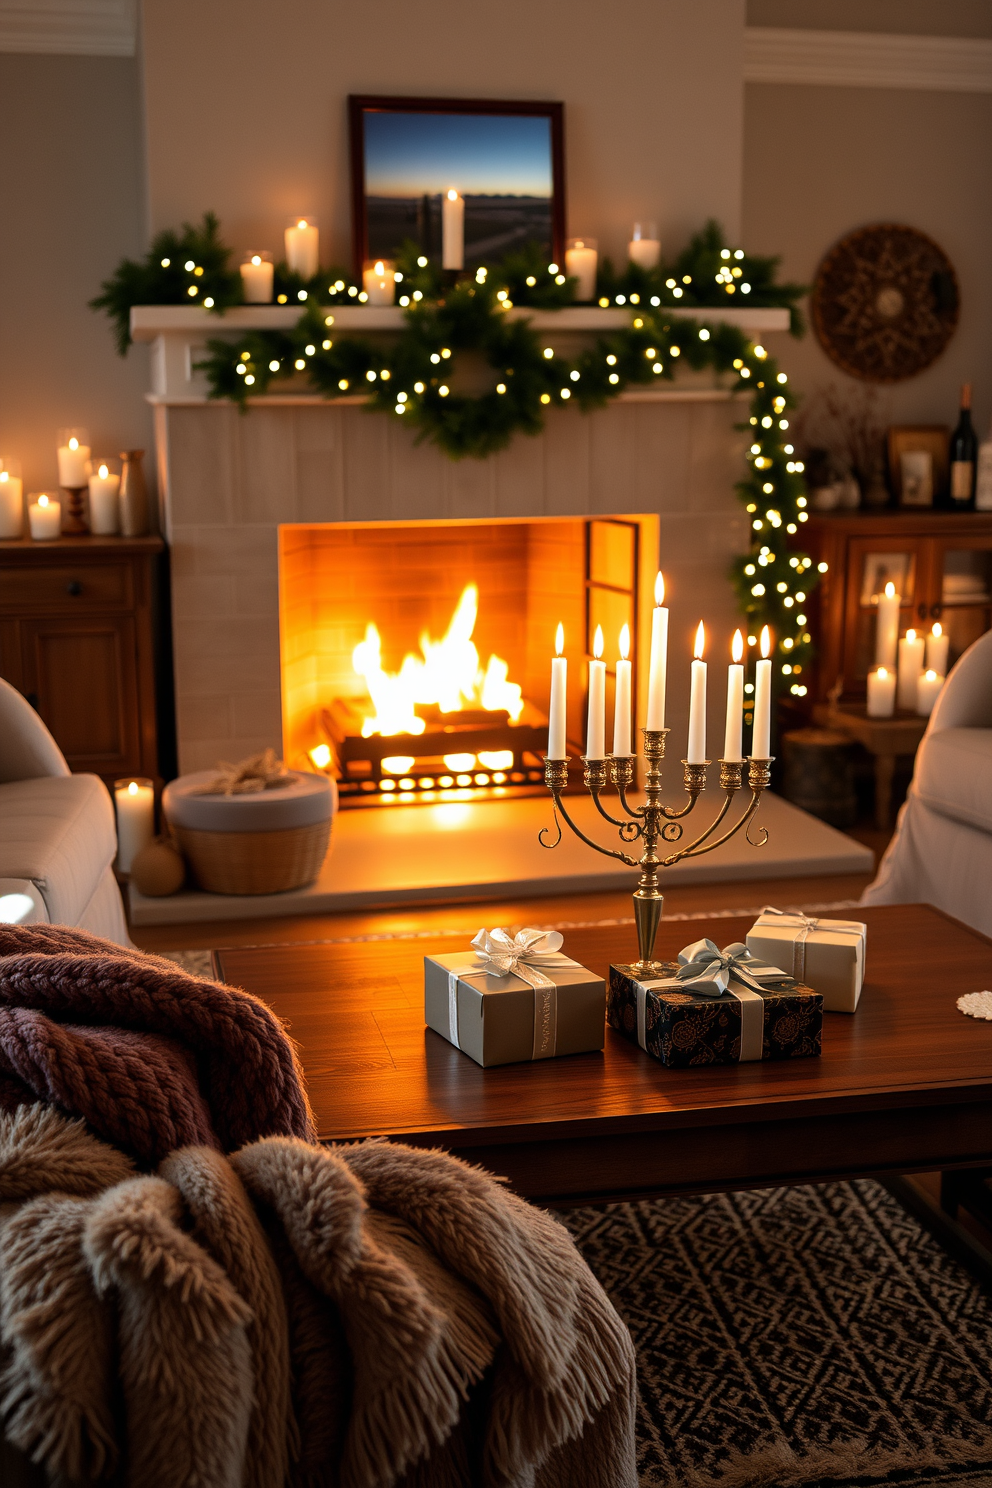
(522, 955)
(804, 924)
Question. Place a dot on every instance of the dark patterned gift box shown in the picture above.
(716, 1007)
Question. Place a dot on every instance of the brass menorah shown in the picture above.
(654, 822)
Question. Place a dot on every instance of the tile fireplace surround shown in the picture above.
(229, 480)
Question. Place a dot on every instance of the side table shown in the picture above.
(884, 738)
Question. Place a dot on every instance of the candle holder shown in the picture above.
(655, 823)
(74, 521)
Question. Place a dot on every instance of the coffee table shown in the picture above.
(904, 1085)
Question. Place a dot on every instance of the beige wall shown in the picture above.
(246, 102)
(820, 161)
(71, 207)
(902, 17)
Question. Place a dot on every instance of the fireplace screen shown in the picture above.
(415, 656)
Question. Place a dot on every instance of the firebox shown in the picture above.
(416, 655)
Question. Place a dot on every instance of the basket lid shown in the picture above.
(302, 801)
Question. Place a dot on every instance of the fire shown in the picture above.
(449, 676)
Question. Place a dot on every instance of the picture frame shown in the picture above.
(918, 463)
(880, 569)
(406, 151)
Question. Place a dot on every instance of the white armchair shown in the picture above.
(58, 837)
(942, 849)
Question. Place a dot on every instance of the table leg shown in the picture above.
(885, 765)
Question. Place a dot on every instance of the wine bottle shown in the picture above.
(964, 453)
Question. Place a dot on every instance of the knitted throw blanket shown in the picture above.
(150, 1056)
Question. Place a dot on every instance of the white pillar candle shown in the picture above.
(937, 646)
(696, 753)
(761, 734)
(452, 230)
(44, 517)
(379, 282)
(596, 721)
(887, 627)
(621, 707)
(581, 258)
(927, 689)
(559, 700)
(732, 747)
(256, 278)
(644, 248)
(104, 504)
(658, 665)
(135, 803)
(302, 247)
(11, 503)
(910, 667)
(73, 454)
(881, 692)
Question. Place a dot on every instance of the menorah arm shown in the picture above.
(606, 851)
(695, 850)
(627, 827)
(712, 826)
(636, 813)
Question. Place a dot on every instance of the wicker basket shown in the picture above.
(254, 862)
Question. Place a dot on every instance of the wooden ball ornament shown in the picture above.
(158, 869)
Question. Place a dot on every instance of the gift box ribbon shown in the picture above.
(522, 955)
(804, 924)
(710, 972)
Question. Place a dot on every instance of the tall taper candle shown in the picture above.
(732, 748)
(621, 710)
(887, 627)
(696, 753)
(761, 737)
(596, 722)
(658, 672)
(559, 699)
(452, 230)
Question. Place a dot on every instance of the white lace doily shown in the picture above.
(976, 1005)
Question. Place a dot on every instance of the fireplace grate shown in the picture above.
(472, 754)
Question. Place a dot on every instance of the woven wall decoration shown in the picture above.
(885, 303)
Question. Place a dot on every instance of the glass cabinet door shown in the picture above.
(873, 562)
(962, 590)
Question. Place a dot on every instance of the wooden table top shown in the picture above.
(906, 1067)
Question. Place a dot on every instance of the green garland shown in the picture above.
(460, 333)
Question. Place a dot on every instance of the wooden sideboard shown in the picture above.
(941, 563)
(79, 638)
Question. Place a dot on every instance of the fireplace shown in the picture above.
(415, 655)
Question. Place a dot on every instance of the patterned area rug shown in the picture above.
(798, 1336)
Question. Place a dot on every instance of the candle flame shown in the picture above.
(256, 259)
(452, 195)
(103, 472)
(937, 629)
(931, 675)
(302, 222)
(559, 639)
(659, 589)
(42, 500)
(737, 649)
(380, 267)
(911, 634)
(74, 443)
(320, 754)
(766, 641)
(890, 590)
(4, 475)
(132, 789)
(597, 642)
(697, 649)
(625, 642)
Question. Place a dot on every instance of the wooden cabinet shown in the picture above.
(940, 563)
(78, 639)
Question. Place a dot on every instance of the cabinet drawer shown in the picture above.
(83, 586)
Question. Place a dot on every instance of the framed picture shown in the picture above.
(918, 456)
(505, 161)
(884, 568)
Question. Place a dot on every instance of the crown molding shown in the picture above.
(83, 28)
(867, 59)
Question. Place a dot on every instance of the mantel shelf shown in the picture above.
(178, 333)
(150, 321)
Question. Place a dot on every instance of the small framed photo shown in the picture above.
(886, 568)
(918, 456)
(417, 164)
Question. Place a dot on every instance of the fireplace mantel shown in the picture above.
(178, 333)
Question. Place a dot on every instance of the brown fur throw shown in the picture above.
(360, 1317)
(152, 1057)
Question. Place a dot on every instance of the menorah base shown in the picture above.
(649, 906)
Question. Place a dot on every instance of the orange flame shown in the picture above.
(737, 648)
